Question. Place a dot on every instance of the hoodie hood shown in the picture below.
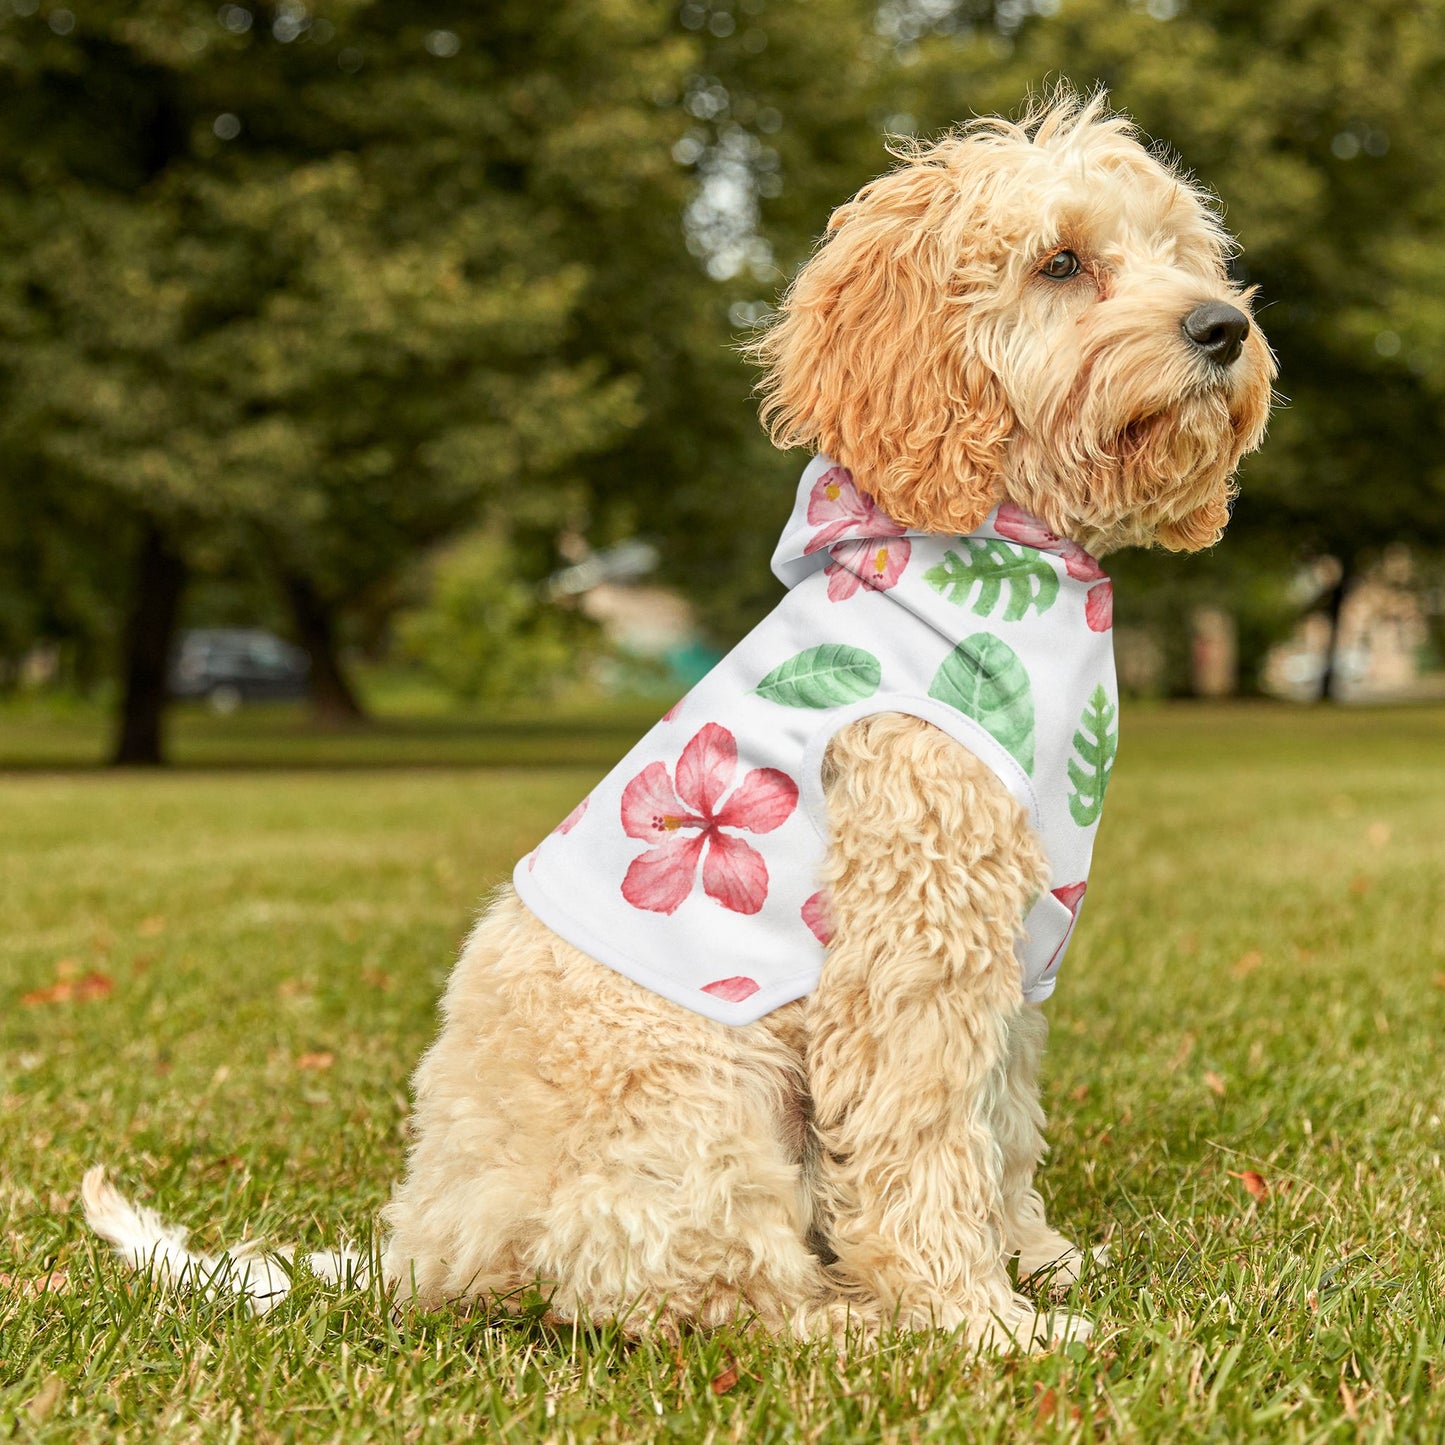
(836, 525)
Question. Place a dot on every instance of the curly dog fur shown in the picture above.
(865, 1156)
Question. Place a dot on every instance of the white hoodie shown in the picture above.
(692, 867)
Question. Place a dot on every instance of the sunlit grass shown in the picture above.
(253, 959)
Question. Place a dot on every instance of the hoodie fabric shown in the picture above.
(692, 867)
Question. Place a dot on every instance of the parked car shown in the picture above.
(230, 665)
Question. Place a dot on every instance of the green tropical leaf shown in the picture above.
(995, 567)
(983, 678)
(823, 676)
(1095, 743)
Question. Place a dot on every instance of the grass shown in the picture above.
(252, 957)
(408, 728)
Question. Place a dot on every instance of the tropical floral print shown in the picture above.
(1099, 607)
(1018, 526)
(733, 990)
(844, 514)
(684, 817)
(565, 826)
(1005, 632)
(815, 915)
(867, 545)
(573, 818)
(875, 565)
(1070, 895)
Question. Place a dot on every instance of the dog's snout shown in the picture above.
(1218, 330)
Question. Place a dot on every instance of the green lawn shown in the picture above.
(252, 958)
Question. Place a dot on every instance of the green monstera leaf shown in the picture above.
(824, 676)
(983, 678)
(1095, 743)
(996, 568)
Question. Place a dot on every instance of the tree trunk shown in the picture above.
(1329, 677)
(333, 699)
(160, 578)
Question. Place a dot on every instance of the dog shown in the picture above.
(1025, 325)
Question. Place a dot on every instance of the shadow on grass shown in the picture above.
(284, 738)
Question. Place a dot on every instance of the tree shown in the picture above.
(299, 284)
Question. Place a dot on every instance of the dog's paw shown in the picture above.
(1058, 1270)
(1023, 1326)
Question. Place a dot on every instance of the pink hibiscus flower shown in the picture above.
(685, 820)
(1070, 895)
(734, 990)
(574, 817)
(1018, 526)
(1099, 607)
(875, 565)
(815, 915)
(842, 513)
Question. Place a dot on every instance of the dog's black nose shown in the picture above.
(1218, 330)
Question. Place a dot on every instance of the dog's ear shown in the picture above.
(873, 358)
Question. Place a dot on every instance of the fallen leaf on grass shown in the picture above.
(1360, 885)
(151, 927)
(1079, 1094)
(1255, 1184)
(1181, 1054)
(378, 979)
(67, 990)
(1247, 963)
(322, 1059)
(1440, 980)
(1378, 834)
(1046, 1407)
(723, 1382)
(56, 1282)
(1214, 1083)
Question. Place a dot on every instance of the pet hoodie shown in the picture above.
(692, 867)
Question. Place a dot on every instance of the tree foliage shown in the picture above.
(317, 287)
(307, 290)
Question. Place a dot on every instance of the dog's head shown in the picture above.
(1037, 311)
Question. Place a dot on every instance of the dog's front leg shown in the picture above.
(931, 867)
(1044, 1255)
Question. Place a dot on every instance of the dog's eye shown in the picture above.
(1060, 266)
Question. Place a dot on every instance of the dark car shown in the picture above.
(231, 665)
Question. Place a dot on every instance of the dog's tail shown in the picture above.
(147, 1243)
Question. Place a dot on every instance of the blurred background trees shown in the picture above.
(293, 295)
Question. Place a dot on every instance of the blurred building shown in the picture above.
(1382, 651)
(642, 620)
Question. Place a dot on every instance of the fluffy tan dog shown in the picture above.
(1036, 313)
(1003, 316)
